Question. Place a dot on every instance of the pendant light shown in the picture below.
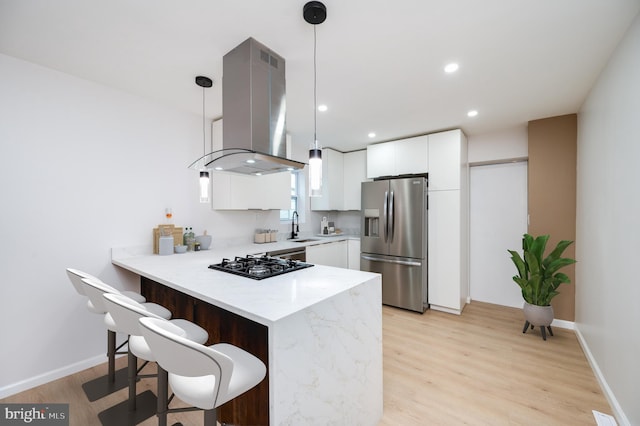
(314, 12)
(204, 82)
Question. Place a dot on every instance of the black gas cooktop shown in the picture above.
(259, 267)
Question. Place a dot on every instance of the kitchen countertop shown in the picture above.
(264, 301)
(324, 329)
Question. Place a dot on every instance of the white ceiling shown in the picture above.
(380, 63)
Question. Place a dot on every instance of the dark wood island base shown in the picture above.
(252, 407)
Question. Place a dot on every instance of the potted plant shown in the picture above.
(538, 278)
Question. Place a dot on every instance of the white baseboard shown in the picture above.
(621, 418)
(49, 376)
(444, 309)
(569, 325)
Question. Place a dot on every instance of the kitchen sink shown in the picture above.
(305, 240)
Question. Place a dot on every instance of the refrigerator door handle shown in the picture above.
(391, 217)
(385, 212)
(397, 262)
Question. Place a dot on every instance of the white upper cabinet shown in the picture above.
(332, 182)
(381, 160)
(232, 191)
(239, 192)
(401, 157)
(355, 172)
(411, 155)
(447, 160)
(342, 175)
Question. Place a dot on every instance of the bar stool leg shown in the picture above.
(133, 373)
(111, 355)
(163, 391)
(210, 417)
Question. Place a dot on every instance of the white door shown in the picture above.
(498, 198)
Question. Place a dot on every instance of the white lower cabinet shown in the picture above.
(353, 254)
(328, 254)
(448, 278)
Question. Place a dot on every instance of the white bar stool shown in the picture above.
(114, 380)
(126, 314)
(94, 289)
(203, 376)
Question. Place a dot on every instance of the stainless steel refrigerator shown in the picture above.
(393, 239)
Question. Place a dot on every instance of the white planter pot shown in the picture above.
(541, 316)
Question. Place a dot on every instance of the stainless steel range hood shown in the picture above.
(254, 110)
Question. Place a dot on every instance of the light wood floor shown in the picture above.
(439, 369)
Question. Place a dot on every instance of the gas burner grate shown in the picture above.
(259, 267)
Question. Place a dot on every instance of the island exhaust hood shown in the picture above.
(254, 109)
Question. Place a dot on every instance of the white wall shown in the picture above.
(84, 168)
(498, 146)
(608, 208)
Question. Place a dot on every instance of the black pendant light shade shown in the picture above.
(314, 12)
(204, 81)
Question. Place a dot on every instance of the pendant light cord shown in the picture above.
(204, 134)
(315, 90)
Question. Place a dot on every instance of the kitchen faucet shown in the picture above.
(294, 229)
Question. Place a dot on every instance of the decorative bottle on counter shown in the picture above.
(190, 239)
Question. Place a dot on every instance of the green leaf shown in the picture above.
(557, 264)
(532, 262)
(557, 252)
(562, 278)
(538, 246)
(520, 265)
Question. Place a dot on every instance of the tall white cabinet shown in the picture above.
(448, 221)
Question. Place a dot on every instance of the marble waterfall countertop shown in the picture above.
(264, 301)
(324, 328)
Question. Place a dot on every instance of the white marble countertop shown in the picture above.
(264, 301)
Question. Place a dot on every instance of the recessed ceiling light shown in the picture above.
(472, 113)
(452, 67)
(322, 108)
(218, 168)
(372, 135)
(258, 174)
(251, 161)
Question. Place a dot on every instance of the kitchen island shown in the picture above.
(318, 330)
